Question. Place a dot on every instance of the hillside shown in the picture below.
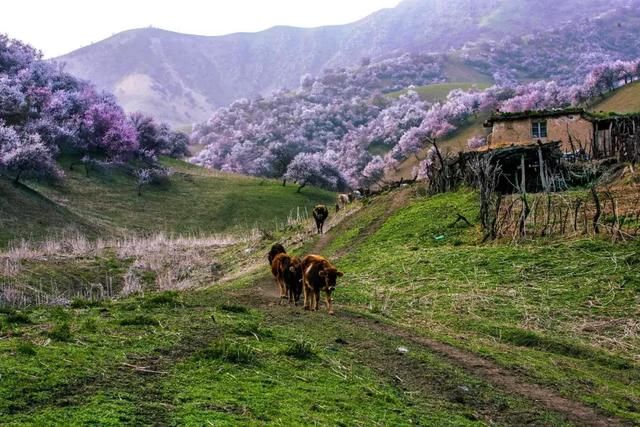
(439, 92)
(106, 204)
(431, 328)
(181, 78)
(453, 144)
(623, 100)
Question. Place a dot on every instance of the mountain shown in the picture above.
(181, 78)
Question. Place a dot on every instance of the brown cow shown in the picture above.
(275, 250)
(320, 214)
(318, 275)
(287, 270)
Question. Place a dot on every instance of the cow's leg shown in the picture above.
(290, 293)
(329, 300)
(298, 292)
(307, 297)
(278, 285)
(283, 289)
(316, 299)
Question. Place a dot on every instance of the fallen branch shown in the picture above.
(461, 218)
(144, 369)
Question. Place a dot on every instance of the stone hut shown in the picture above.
(601, 135)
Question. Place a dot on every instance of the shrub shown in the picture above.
(85, 303)
(60, 332)
(18, 318)
(90, 325)
(26, 348)
(252, 329)
(139, 320)
(231, 352)
(163, 298)
(233, 308)
(301, 349)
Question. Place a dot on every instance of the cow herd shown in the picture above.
(307, 276)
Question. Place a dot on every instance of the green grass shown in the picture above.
(623, 100)
(378, 149)
(456, 70)
(200, 365)
(224, 356)
(106, 203)
(557, 310)
(439, 92)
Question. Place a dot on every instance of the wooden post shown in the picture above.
(543, 177)
(523, 182)
(596, 218)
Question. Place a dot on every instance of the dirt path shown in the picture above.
(399, 200)
(506, 380)
(502, 378)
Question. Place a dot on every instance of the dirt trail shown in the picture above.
(399, 200)
(504, 379)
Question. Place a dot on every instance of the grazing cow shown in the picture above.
(343, 200)
(355, 195)
(318, 275)
(287, 270)
(275, 250)
(320, 214)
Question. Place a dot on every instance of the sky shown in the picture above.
(57, 27)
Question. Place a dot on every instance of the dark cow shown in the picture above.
(318, 275)
(275, 250)
(320, 214)
(287, 270)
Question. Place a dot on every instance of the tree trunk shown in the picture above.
(17, 178)
(301, 186)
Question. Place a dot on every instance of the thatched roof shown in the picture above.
(557, 112)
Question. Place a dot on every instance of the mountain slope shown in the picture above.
(623, 100)
(180, 78)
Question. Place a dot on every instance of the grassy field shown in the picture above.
(552, 314)
(456, 70)
(564, 313)
(198, 359)
(623, 100)
(195, 200)
(439, 92)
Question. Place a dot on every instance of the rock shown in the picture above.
(402, 350)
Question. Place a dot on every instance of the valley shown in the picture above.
(465, 174)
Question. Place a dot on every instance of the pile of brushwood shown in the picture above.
(522, 191)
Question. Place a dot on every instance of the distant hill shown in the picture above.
(195, 200)
(181, 78)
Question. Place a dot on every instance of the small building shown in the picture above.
(592, 135)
